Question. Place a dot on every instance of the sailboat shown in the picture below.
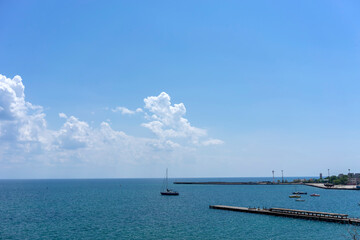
(168, 191)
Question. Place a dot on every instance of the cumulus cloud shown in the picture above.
(19, 120)
(168, 121)
(73, 134)
(24, 133)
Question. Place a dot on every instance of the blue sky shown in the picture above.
(271, 84)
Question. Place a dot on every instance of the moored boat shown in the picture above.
(297, 193)
(294, 196)
(168, 191)
(315, 195)
(300, 200)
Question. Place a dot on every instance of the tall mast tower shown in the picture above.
(273, 176)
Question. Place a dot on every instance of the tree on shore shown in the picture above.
(338, 180)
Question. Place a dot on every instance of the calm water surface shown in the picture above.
(134, 209)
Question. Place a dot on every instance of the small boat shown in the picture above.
(297, 193)
(167, 191)
(294, 196)
(315, 195)
(300, 200)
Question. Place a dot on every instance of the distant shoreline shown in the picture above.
(335, 187)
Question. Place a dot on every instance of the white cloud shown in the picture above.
(19, 120)
(24, 134)
(212, 142)
(62, 115)
(168, 121)
(123, 110)
(73, 134)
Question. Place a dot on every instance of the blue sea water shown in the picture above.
(134, 209)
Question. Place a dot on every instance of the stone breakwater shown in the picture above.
(318, 185)
(238, 183)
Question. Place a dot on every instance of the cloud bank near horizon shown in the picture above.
(25, 136)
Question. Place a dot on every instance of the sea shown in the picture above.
(134, 209)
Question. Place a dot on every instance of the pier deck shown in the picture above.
(293, 213)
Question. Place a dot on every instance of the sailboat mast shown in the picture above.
(166, 178)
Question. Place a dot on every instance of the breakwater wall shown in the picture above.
(238, 183)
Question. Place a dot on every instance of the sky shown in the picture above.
(126, 89)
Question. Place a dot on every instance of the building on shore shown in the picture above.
(353, 178)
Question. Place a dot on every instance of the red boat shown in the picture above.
(315, 195)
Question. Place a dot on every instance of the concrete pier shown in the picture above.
(293, 213)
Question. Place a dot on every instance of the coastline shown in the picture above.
(335, 187)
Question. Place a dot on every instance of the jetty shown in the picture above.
(238, 183)
(268, 183)
(293, 213)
